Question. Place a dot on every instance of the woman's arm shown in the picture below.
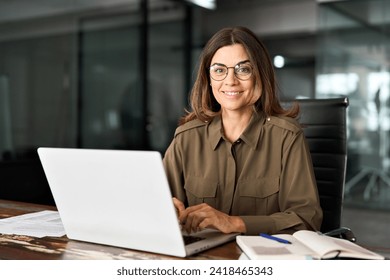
(201, 216)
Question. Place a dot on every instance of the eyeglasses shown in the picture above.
(242, 71)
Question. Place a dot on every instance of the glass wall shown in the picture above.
(117, 111)
(88, 76)
(37, 93)
(111, 112)
(37, 96)
(353, 60)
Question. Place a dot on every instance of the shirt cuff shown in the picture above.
(258, 224)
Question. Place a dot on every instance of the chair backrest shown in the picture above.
(324, 125)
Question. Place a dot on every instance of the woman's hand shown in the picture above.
(201, 216)
(179, 206)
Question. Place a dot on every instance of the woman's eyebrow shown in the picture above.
(244, 61)
(221, 64)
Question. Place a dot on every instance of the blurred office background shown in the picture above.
(115, 74)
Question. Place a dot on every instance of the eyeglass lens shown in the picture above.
(219, 72)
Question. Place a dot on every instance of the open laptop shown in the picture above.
(119, 198)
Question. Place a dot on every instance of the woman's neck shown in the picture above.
(234, 124)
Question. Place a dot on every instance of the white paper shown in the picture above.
(38, 224)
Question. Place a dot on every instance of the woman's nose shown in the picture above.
(231, 77)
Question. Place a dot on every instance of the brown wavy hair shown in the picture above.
(203, 104)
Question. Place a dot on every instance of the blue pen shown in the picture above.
(275, 238)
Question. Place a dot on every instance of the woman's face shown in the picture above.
(232, 93)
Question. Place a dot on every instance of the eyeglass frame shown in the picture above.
(234, 70)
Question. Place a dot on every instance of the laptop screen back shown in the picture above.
(113, 197)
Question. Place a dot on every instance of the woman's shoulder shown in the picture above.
(188, 126)
(285, 123)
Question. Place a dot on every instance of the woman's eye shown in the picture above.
(219, 70)
(244, 70)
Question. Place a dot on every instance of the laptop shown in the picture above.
(119, 198)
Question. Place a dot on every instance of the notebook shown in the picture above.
(119, 198)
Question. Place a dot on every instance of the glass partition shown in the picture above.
(353, 61)
(75, 77)
(110, 88)
(116, 110)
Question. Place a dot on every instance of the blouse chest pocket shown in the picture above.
(259, 196)
(201, 190)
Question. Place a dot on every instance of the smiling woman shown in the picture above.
(239, 162)
(236, 93)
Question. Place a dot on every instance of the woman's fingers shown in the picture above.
(198, 217)
(201, 216)
(178, 205)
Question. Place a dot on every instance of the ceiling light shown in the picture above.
(208, 4)
(279, 61)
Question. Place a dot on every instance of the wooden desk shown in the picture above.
(17, 247)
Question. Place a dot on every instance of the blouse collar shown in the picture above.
(250, 136)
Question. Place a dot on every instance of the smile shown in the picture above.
(231, 93)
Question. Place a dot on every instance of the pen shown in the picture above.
(275, 238)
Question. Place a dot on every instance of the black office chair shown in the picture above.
(324, 125)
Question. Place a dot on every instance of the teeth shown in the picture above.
(232, 92)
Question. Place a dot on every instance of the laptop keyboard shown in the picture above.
(188, 239)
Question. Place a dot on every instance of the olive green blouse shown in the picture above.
(265, 177)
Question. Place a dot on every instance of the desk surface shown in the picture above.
(18, 247)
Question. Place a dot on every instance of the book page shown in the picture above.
(352, 250)
(331, 247)
(324, 247)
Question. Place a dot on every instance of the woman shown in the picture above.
(239, 162)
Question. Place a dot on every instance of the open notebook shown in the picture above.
(119, 198)
(303, 244)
